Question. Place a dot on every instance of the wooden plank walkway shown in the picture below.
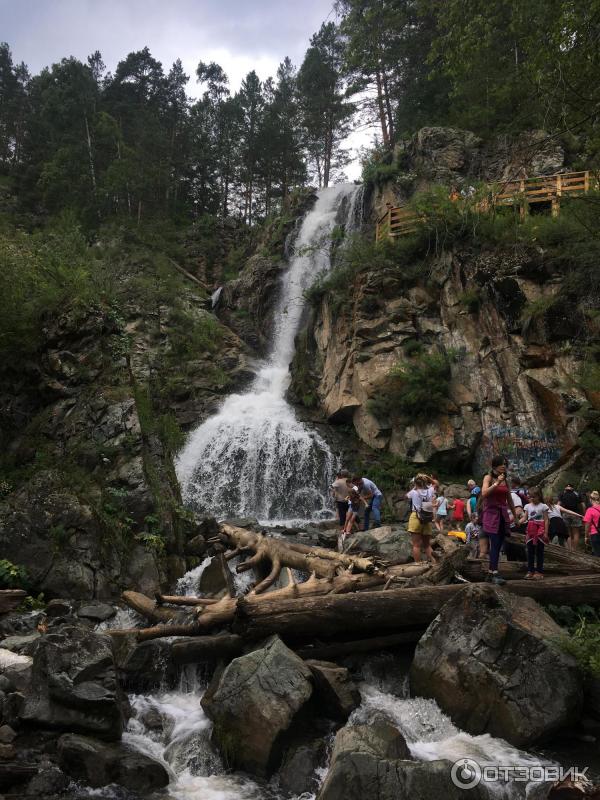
(524, 192)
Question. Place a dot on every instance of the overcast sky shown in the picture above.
(240, 35)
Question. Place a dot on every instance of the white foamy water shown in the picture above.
(254, 457)
(182, 745)
(431, 736)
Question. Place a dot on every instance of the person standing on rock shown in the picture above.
(557, 527)
(572, 500)
(474, 492)
(421, 497)
(458, 513)
(339, 492)
(374, 497)
(536, 535)
(441, 510)
(495, 517)
(591, 520)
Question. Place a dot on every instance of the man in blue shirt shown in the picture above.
(373, 496)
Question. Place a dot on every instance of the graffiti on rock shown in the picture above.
(528, 451)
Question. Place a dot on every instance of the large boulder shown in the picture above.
(390, 543)
(98, 764)
(254, 702)
(373, 762)
(298, 773)
(335, 692)
(491, 661)
(74, 685)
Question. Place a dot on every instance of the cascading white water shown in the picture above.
(255, 457)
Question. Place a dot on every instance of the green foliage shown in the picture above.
(583, 643)
(59, 536)
(471, 300)
(387, 471)
(412, 348)
(419, 389)
(193, 334)
(33, 603)
(153, 542)
(401, 257)
(41, 275)
(169, 432)
(12, 576)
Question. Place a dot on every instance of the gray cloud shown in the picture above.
(240, 35)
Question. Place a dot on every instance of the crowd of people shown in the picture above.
(485, 520)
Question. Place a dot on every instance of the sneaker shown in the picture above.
(538, 576)
(529, 576)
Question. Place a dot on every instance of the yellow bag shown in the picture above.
(458, 535)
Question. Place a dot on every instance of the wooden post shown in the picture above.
(586, 181)
(556, 199)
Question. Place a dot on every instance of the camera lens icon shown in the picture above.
(465, 773)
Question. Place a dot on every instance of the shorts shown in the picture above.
(557, 527)
(572, 522)
(416, 526)
(483, 535)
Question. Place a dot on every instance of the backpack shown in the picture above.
(425, 513)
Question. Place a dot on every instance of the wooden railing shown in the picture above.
(400, 220)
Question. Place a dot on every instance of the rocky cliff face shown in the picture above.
(90, 501)
(514, 384)
(511, 391)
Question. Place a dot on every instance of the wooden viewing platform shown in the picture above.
(401, 220)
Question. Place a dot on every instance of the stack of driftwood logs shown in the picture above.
(350, 603)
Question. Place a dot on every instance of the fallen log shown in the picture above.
(367, 612)
(11, 599)
(222, 612)
(177, 600)
(558, 554)
(207, 648)
(475, 570)
(278, 553)
(328, 652)
(148, 608)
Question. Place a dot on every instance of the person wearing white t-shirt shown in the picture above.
(536, 535)
(421, 516)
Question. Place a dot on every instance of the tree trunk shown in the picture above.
(388, 105)
(11, 599)
(368, 612)
(207, 648)
(475, 570)
(323, 563)
(329, 652)
(382, 112)
(560, 555)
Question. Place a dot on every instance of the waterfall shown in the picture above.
(255, 457)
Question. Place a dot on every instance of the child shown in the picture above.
(557, 526)
(354, 501)
(473, 531)
(536, 534)
(458, 513)
(441, 511)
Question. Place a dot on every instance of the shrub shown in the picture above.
(471, 300)
(420, 389)
(584, 644)
(12, 576)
